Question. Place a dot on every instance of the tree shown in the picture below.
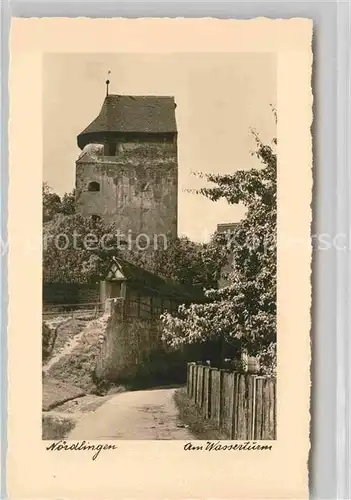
(51, 203)
(68, 203)
(244, 312)
(77, 249)
(190, 263)
(183, 261)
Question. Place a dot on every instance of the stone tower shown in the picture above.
(127, 172)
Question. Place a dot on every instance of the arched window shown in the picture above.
(93, 186)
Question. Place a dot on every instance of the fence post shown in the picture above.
(274, 395)
(192, 384)
(215, 395)
(242, 405)
(200, 387)
(249, 404)
(253, 422)
(227, 404)
(195, 385)
(235, 406)
(188, 379)
(207, 392)
(268, 420)
(220, 405)
(221, 391)
(258, 409)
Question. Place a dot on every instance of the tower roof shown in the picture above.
(139, 114)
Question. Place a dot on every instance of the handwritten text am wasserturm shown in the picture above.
(223, 446)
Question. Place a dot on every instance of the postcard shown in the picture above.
(159, 258)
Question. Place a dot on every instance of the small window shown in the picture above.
(93, 186)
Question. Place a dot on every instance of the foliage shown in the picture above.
(245, 310)
(182, 261)
(51, 203)
(56, 426)
(47, 341)
(77, 249)
(68, 203)
(190, 263)
(79, 363)
(54, 205)
(193, 417)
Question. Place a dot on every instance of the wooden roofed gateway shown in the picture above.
(145, 294)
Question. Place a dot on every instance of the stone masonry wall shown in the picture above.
(126, 345)
(138, 188)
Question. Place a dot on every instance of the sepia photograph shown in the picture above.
(159, 248)
(160, 209)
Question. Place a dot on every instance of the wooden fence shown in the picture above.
(93, 310)
(243, 406)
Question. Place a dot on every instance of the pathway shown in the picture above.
(150, 414)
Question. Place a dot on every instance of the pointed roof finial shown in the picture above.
(107, 82)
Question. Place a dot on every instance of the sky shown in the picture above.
(219, 96)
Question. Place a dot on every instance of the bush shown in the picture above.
(56, 426)
(48, 340)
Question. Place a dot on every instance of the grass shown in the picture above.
(78, 365)
(192, 416)
(66, 331)
(85, 404)
(57, 332)
(56, 392)
(56, 426)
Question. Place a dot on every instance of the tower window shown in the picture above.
(93, 186)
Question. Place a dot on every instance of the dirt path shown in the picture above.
(150, 414)
(67, 349)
